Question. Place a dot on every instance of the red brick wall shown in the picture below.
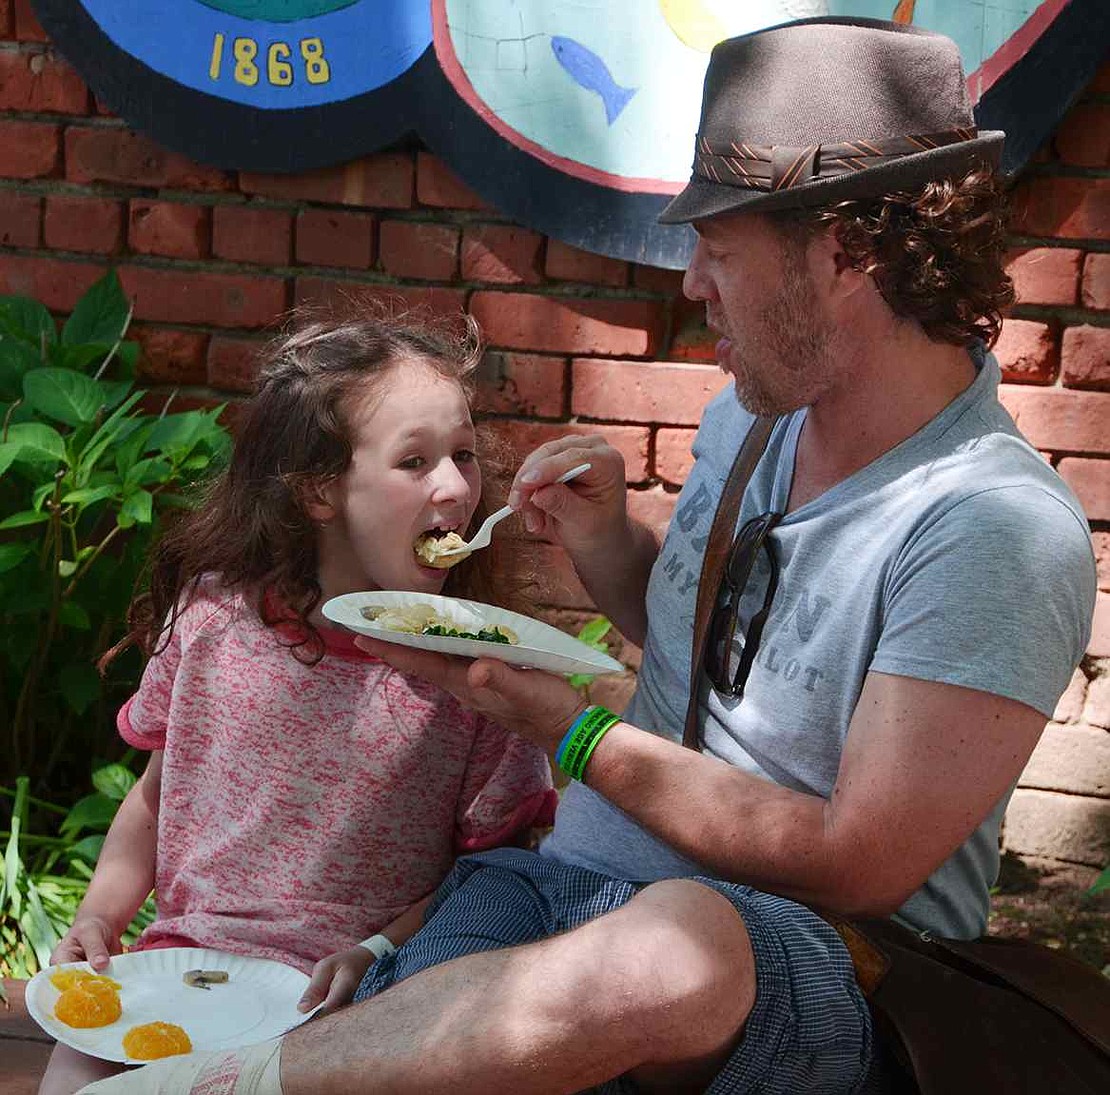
(212, 257)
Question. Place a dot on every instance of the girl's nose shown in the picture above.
(450, 485)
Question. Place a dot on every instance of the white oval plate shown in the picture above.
(540, 647)
(257, 1002)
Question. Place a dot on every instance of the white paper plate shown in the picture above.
(540, 647)
(258, 1001)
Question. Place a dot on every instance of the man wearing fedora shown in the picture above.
(902, 598)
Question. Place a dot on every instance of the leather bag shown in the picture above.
(952, 1017)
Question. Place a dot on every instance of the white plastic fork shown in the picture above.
(484, 534)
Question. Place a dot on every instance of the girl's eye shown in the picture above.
(465, 456)
(411, 463)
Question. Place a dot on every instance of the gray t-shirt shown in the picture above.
(958, 556)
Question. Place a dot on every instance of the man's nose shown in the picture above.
(695, 283)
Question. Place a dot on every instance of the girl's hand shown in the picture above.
(536, 705)
(586, 515)
(335, 978)
(90, 939)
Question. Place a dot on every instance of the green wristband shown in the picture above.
(585, 735)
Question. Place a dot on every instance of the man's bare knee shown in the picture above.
(682, 956)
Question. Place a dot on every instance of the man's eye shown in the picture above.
(412, 462)
(465, 456)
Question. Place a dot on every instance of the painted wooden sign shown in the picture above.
(576, 118)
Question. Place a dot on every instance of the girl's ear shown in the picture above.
(317, 499)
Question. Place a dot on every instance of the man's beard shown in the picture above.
(794, 348)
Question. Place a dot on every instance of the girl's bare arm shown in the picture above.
(124, 875)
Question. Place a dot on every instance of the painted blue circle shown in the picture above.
(271, 65)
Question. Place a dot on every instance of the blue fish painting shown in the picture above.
(588, 70)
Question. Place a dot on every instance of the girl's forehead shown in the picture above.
(411, 387)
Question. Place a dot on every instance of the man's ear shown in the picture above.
(845, 278)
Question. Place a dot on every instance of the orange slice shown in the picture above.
(67, 978)
(153, 1040)
(90, 1003)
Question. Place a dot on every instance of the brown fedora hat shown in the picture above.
(823, 110)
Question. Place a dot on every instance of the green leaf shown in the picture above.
(79, 683)
(114, 780)
(92, 812)
(21, 520)
(173, 500)
(8, 453)
(10, 892)
(88, 849)
(1102, 882)
(38, 499)
(16, 358)
(78, 357)
(11, 555)
(73, 615)
(128, 357)
(113, 426)
(86, 496)
(177, 435)
(131, 447)
(137, 509)
(594, 631)
(38, 442)
(37, 929)
(115, 391)
(28, 320)
(154, 469)
(64, 395)
(100, 316)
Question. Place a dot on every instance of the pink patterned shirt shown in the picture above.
(303, 808)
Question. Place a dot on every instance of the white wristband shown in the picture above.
(378, 946)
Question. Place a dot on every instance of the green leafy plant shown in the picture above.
(45, 875)
(1102, 882)
(85, 475)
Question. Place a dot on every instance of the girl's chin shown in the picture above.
(432, 579)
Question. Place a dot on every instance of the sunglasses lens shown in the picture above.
(722, 625)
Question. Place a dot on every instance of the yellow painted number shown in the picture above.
(316, 68)
(279, 64)
(217, 57)
(245, 51)
(278, 69)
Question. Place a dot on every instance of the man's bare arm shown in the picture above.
(924, 763)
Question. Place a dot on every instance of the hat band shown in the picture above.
(782, 167)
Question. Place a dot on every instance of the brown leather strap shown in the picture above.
(780, 167)
(717, 550)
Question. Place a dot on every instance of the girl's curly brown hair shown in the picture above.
(936, 255)
(251, 530)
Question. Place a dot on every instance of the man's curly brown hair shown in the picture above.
(936, 255)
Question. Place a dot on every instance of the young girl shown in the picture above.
(300, 794)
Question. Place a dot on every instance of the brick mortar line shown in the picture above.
(1068, 314)
(1059, 170)
(79, 121)
(460, 218)
(1060, 791)
(1093, 245)
(10, 45)
(553, 290)
(500, 417)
